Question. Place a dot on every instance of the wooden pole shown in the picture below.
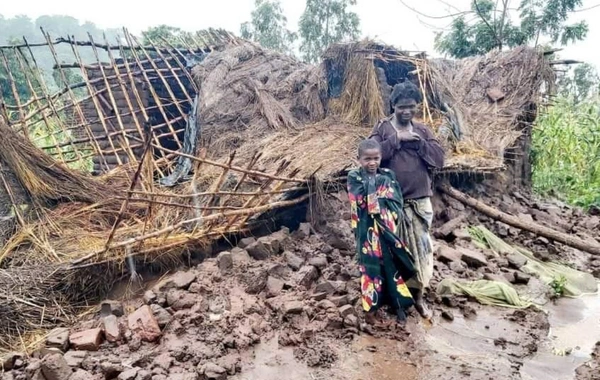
(153, 90)
(549, 233)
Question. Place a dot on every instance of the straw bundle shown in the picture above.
(486, 125)
(361, 102)
(248, 92)
(45, 179)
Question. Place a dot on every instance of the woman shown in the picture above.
(411, 151)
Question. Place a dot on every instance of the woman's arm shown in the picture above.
(430, 150)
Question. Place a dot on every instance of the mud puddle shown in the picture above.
(574, 331)
(366, 358)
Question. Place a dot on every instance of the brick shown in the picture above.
(346, 310)
(246, 242)
(225, 261)
(87, 340)
(111, 308)
(143, 323)
(180, 280)
(306, 276)
(111, 329)
(293, 307)
(58, 338)
(75, 358)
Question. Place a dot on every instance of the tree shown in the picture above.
(158, 34)
(492, 27)
(326, 22)
(268, 27)
(579, 83)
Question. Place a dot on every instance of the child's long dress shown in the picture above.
(385, 263)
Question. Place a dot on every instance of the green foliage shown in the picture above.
(566, 152)
(492, 27)
(161, 33)
(557, 287)
(325, 22)
(580, 83)
(268, 27)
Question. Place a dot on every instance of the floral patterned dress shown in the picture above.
(385, 263)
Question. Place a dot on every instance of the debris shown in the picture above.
(55, 367)
(447, 254)
(163, 317)
(180, 280)
(225, 261)
(75, 358)
(58, 338)
(516, 261)
(87, 340)
(319, 262)
(306, 276)
(149, 297)
(473, 258)
(129, 374)
(258, 250)
(448, 315)
(111, 308)
(246, 242)
(293, 261)
(346, 310)
(274, 287)
(303, 231)
(446, 230)
(522, 278)
(239, 255)
(143, 323)
(293, 307)
(211, 371)
(8, 360)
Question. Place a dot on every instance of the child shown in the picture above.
(376, 206)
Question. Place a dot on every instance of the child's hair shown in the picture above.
(366, 145)
(405, 90)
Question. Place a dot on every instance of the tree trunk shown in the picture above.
(549, 233)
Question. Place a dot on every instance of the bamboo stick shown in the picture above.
(171, 69)
(138, 98)
(173, 227)
(97, 107)
(153, 91)
(127, 99)
(134, 180)
(124, 140)
(180, 64)
(219, 182)
(282, 166)
(13, 88)
(36, 70)
(222, 36)
(178, 205)
(549, 233)
(235, 168)
(237, 193)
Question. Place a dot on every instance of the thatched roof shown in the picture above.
(478, 107)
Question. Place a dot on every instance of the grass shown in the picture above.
(566, 152)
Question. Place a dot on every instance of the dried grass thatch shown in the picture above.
(489, 98)
(247, 90)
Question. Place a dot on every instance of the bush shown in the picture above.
(566, 152)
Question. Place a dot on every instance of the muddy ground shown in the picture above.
(286, 306)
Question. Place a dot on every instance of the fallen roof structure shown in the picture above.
(193, 145)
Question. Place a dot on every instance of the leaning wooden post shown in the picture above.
(549, 233)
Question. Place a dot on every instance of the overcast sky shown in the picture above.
(388, 20)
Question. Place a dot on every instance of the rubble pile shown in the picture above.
(300, 288)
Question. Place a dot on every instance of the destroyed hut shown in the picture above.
(188, 146)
